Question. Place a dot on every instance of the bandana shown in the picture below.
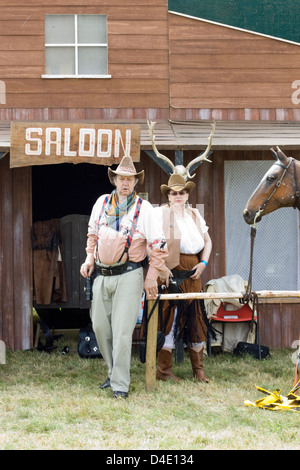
(114, 212)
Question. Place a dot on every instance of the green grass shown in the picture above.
(53, 401)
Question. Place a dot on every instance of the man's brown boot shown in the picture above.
(197, 364)
(164, 366)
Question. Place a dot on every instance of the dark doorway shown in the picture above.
(60, 191)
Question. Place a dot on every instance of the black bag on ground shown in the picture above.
(252, 349)
(87, 344)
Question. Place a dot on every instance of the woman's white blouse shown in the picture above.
(192, 241)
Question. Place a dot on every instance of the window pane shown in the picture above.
(92, 29)
(92, 60)
(60, 60)
(59, 29)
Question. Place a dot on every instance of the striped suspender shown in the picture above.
(134, 222)
(103, 207)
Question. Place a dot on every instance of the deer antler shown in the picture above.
(151, 126)
(180, 169)
(201, 158)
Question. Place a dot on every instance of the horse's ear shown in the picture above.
(274, 153)
(279, 155)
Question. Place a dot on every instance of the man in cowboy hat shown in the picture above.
(122, 229)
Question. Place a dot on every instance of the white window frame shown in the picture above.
(76, 45)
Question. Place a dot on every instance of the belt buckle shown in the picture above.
(104, 271)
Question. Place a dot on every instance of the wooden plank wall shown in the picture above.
(221, 73)
(215, 72)
(15, 256)
(137, 63)
(280, 324)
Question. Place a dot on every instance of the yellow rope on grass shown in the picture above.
(274, 401)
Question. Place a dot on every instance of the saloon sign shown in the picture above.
(51, 143)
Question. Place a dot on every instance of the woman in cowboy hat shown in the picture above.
(189, 247)
(122, 229)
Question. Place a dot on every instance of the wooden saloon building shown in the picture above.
(74, 71)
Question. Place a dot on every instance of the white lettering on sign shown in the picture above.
(67, 151)
(118, 140)
(57, 140)
(100, 151)
(89, 136)
(91, 142)
(29, 138)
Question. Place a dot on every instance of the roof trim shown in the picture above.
(229, 135)
(234, 27)
(193, 135)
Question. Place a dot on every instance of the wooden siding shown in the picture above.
(223, 73)
(16, 257)
(280, 324)
(157, 60)
(137, 62)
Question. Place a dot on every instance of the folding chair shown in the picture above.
(226, 314)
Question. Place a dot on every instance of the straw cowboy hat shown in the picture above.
(176, 183)
(125, 168)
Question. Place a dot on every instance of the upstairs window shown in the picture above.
(76, 46)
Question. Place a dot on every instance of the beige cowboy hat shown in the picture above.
(176, 183)
(125, 168)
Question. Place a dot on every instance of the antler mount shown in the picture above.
(180, 169)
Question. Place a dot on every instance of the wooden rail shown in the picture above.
(153, 321)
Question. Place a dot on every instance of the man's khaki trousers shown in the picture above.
(115, 308)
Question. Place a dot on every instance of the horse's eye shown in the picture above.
(271, 178)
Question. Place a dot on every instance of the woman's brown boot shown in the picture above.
(164, 366)
(197, 364)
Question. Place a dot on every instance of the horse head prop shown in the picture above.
(180, 169)
(278, 188)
